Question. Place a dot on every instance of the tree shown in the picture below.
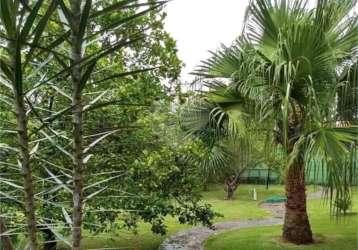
(21, 25)
(281, 80)
(125, 53)
(82, 65)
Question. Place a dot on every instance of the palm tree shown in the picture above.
(21, 28)
(78, 16)
(283, 79)
(32, 33)
(217, 158)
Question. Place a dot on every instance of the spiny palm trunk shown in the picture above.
(5, 239)
(296, 228)
(23, 140)
(76, 56)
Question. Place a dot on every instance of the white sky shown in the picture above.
(202, 25)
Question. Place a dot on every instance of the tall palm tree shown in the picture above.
(283, 79)
(21, 28)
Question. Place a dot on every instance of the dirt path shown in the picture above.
(194, 238)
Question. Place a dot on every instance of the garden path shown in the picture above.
(194, 238)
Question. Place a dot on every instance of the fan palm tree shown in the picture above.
(223, 160)
(286, 78)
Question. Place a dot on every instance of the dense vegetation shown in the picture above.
(288, 79)
(97, 136)
(81, 92)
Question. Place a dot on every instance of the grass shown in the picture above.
(332, 234)
(242, 207)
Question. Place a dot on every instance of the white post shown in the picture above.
(255, 195)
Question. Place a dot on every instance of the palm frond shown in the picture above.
(332, 152)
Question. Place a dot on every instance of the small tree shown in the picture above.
(217, 156)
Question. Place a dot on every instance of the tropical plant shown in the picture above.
(281, 80)
(24, 24)
(79, 58)
(224, 160)
(20, 27)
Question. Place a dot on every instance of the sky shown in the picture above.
(202, 25)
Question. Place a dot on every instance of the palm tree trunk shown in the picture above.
(296, 228)
(5, 239)
(77, 113)
(22, 132)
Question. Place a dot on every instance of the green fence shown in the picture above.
(315, 175)
(260, 176)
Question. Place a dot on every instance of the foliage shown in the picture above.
(280, 80)
(124, 163)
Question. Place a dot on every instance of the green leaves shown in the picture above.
(121, 5)
(333, 151)
(84, 18)
(8, 17)
(38, 30)
(123, 21)
(128, 46)
(331, 144)
(29, 23)
(66, 12)
(283, 77)
(224, 63)
(6, 69)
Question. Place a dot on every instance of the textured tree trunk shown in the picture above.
(23, 142)
(5, 239)
(230, 188)
(296, 228)
(229, 194)
(77, 113)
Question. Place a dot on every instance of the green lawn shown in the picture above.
(242, 207)
(333, 234)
